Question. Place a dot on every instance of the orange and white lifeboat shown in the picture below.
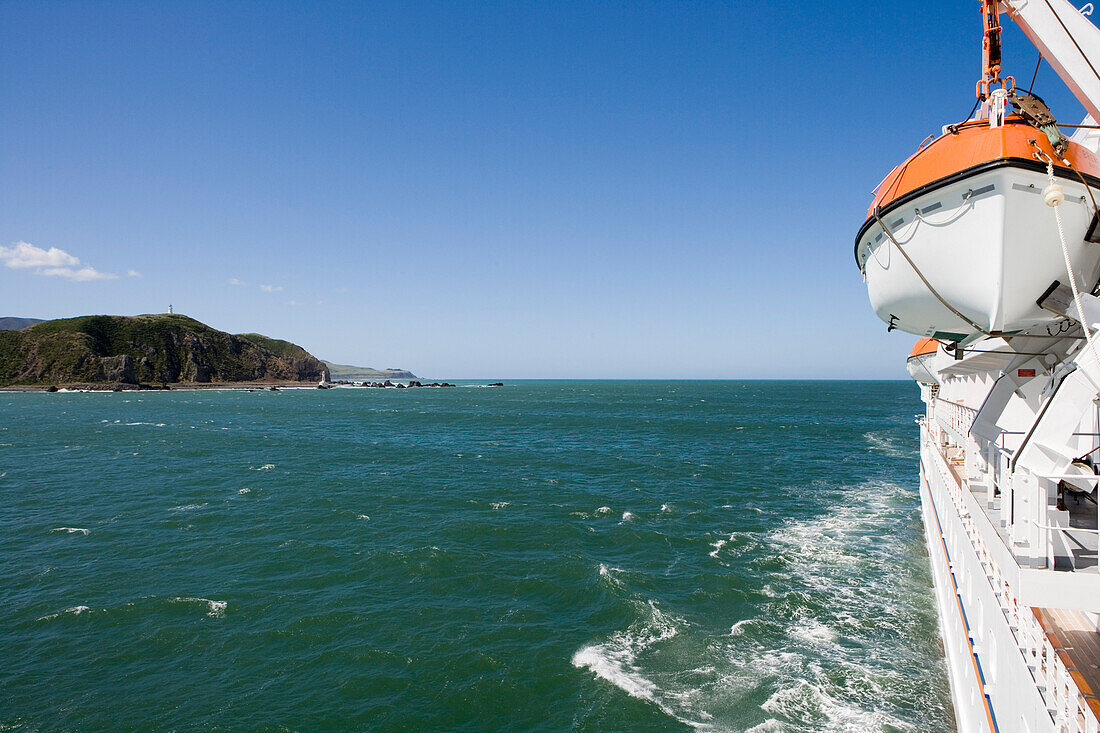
(980, 244)
(919, 363)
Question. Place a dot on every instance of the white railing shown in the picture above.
(1057, 680)
(955, 416)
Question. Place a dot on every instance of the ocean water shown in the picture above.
(595, 556)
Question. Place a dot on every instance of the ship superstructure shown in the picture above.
(986, 242)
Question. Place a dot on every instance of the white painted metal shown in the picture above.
(993, 447)
(1068, 40)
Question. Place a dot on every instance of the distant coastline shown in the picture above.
(161, 351)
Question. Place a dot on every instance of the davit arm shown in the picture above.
(1068, 41)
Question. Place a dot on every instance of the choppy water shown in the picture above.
(544, 556)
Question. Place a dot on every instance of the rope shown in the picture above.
(923, 279)
(1069, 272)
(1035, 75)
(951, 219)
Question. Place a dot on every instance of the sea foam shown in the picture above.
(215, 609)
(74, 611)
(617, 661)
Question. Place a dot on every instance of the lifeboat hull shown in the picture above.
(986, 242)
(922, 362)
(919, 370)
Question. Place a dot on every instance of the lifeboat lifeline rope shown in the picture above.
(1053, 196)
(923, 279)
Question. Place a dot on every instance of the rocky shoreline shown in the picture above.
(390, 385)
(142, 387)
(270, 385)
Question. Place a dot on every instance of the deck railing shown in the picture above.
(955, 416)
(1074, 707)
(1071, 702)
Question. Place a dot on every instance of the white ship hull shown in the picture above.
(992, 687)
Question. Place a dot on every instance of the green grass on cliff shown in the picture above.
(276, 346)
(157, 348)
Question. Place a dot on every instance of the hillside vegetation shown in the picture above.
(12, 323)
(156, 349)
(357, 373)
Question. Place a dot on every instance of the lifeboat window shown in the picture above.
(978, 191)
(931, 207)
(878, 237)
(896, 223)
(1030, 188)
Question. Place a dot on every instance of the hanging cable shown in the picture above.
(1035, 75)
(1088, 189)
(1053, 196)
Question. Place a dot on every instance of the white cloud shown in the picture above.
(235, 281)
(52, 262)
(84, 274)
(293, 302)
(21, 255)
(271, 288)
(133, 273)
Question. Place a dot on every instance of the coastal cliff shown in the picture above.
(156, 349)
(359, 374)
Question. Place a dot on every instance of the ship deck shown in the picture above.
(1079, 551)
(1075, 634)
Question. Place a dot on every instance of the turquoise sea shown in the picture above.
(595, 556)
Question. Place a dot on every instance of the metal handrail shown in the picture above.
(1066, 529)
(956, 404)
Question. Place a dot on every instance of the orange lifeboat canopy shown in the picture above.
(924, 346)
(972, 144)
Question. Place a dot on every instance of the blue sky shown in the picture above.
(604, 190)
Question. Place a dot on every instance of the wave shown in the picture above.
(812, 631)
(739, 628)
(736, 545)
(609, 575)
(831, 592)
(887, 446)
(71, 530)
(265, 467)
(804, 700)
(821, 592)
(189, 507)
(74, 611)
(215, 609)
(616, 660)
